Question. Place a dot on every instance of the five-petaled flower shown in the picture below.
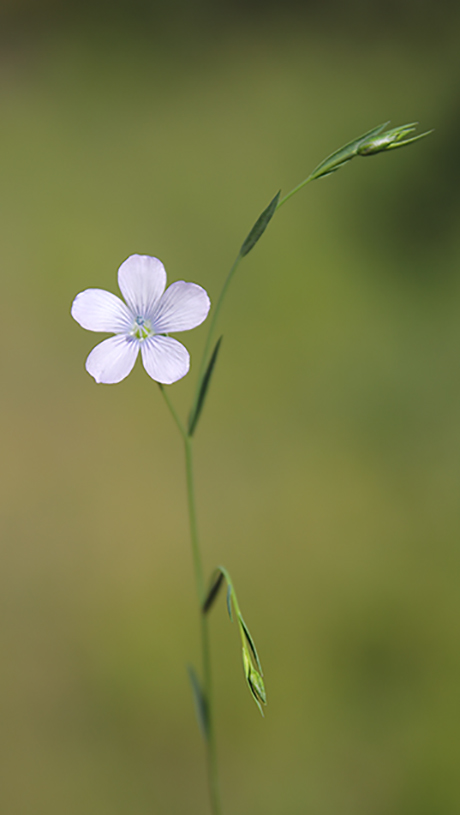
(142, 323)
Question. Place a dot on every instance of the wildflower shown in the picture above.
(142, 323)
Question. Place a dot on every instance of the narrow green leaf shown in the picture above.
(260, 226)
(193, 420)
(213, 591)
(201, 708)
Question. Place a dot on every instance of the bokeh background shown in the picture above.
(328, 456)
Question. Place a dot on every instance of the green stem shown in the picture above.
(211, 754)
(212, 325)
(293, 192)
(218, 306)
(172, 411)
(197, 564)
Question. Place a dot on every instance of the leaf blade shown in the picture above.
(213, 592)
(195, 415)
(200, 704)
(260, 226)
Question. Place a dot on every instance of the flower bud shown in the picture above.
(375, 141)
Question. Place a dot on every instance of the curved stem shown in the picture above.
(210, 740)
(197, 564)
(293, 192)
(172, 411)
(212, 325)
(218, 306)
(211, 754)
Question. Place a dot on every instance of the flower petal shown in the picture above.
(100, 310)
(113, 359)
(183, 306)
(142, 281)
(165, 360)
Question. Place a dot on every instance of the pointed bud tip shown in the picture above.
(389, 140)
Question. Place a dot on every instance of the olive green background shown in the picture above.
(328, 455)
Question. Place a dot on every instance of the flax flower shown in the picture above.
(142, 323)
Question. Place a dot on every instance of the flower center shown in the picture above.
(142, 328)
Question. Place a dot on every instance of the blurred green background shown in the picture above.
(328, 457)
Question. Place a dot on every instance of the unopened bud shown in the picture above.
(389, 140)
(375, 141)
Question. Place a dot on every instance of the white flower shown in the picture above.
(142, 323)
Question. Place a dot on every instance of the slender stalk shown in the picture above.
(211, 754)
(218, 306)
(172, 411)
(366, 145)
(197, 564)
(212, 325)
(211, 751)
(210, 741)
(293, 192)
